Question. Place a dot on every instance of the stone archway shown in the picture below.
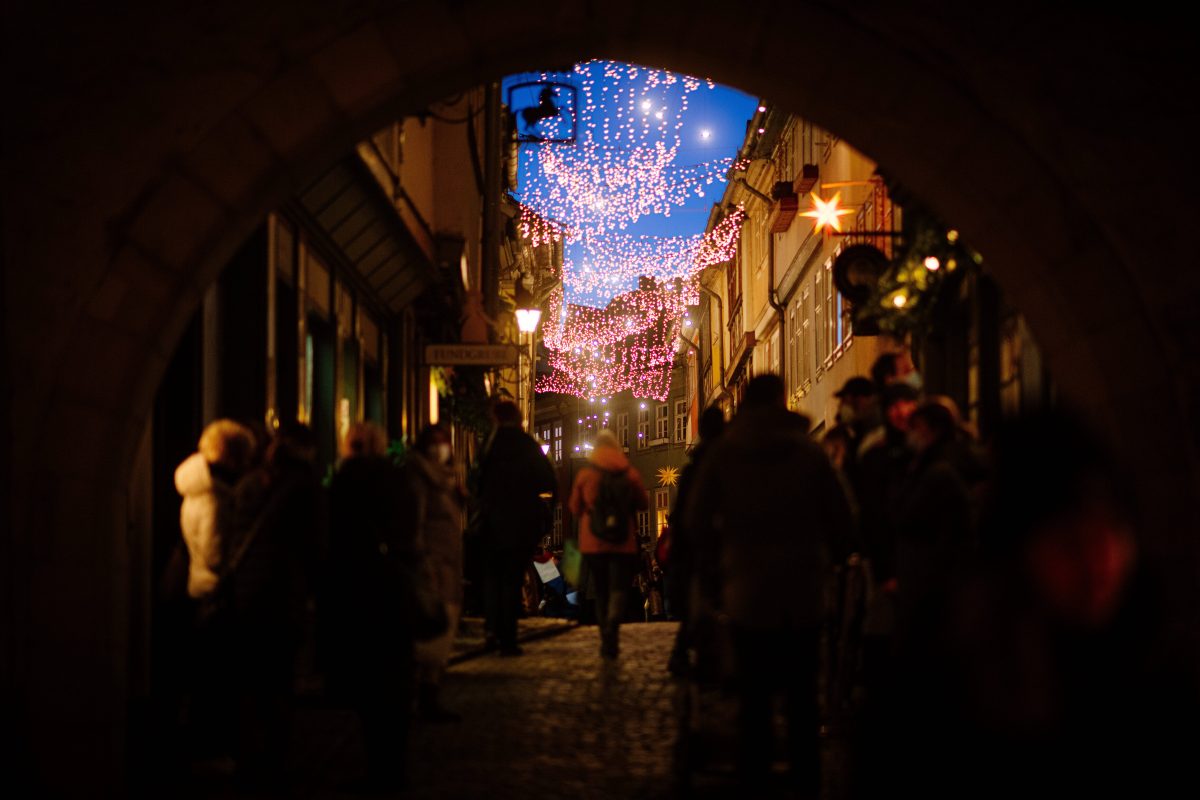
(148, 147)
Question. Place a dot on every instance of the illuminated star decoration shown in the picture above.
(668, 476)
(826, 212)
(615, 323)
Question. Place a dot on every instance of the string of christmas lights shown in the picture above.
(615, 324)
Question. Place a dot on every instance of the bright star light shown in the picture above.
(826, 212)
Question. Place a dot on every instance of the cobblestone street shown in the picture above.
(556, 721)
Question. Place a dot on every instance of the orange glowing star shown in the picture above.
(827, 213)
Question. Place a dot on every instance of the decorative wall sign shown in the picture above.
(544, 111)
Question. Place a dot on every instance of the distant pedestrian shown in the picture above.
(515, 483)
(440, 501)
(606, 496)
(771, 518)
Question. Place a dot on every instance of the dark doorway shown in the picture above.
(319, 382)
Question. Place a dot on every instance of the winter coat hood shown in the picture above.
(609, 458)
(205, 518)
(193, 476)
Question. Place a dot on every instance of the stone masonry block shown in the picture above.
(358, 69)
(102, 361)
(232, 162)
(176, 220)
(292, 112)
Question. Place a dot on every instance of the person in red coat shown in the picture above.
(611, 565)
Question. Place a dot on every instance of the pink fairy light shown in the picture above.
(621, 168)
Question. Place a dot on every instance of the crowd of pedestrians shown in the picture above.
(962, 613)
(354, 584)
(968, 617)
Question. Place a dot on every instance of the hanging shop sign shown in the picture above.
(486, 355)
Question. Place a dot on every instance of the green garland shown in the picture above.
(926, 268)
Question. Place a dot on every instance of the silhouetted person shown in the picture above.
(893, 368)
(514, 474)
(368, 651)
(206, 481)
(770, 517)
(878, 486)
(440, 500)
(680, 570)
(1045, 671)
(932, 512)
(858, 415)
(281, 517)
(611, 564)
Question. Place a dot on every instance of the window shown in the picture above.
(793, 349)
(806, 338)
(643, 520)
(734, 274)
(681, 420)
(643, 430)
(662, 507)
(662, 421)
(558, 447)
(623, 429)
(833, 317)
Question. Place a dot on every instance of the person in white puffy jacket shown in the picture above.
(206, 479)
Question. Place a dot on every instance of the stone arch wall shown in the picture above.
(145, 148)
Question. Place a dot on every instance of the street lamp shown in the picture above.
(528, 313)
(528, 316)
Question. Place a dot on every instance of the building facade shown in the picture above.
(776, 307)
(655, 435)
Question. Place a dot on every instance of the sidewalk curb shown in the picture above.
(530, 636)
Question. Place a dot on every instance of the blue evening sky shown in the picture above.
(721, 111)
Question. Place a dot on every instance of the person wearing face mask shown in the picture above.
(858, 415)
(893, 368)
(440, 500)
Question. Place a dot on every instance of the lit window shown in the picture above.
(681, 420)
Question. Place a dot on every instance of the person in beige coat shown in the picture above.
(206, 479)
